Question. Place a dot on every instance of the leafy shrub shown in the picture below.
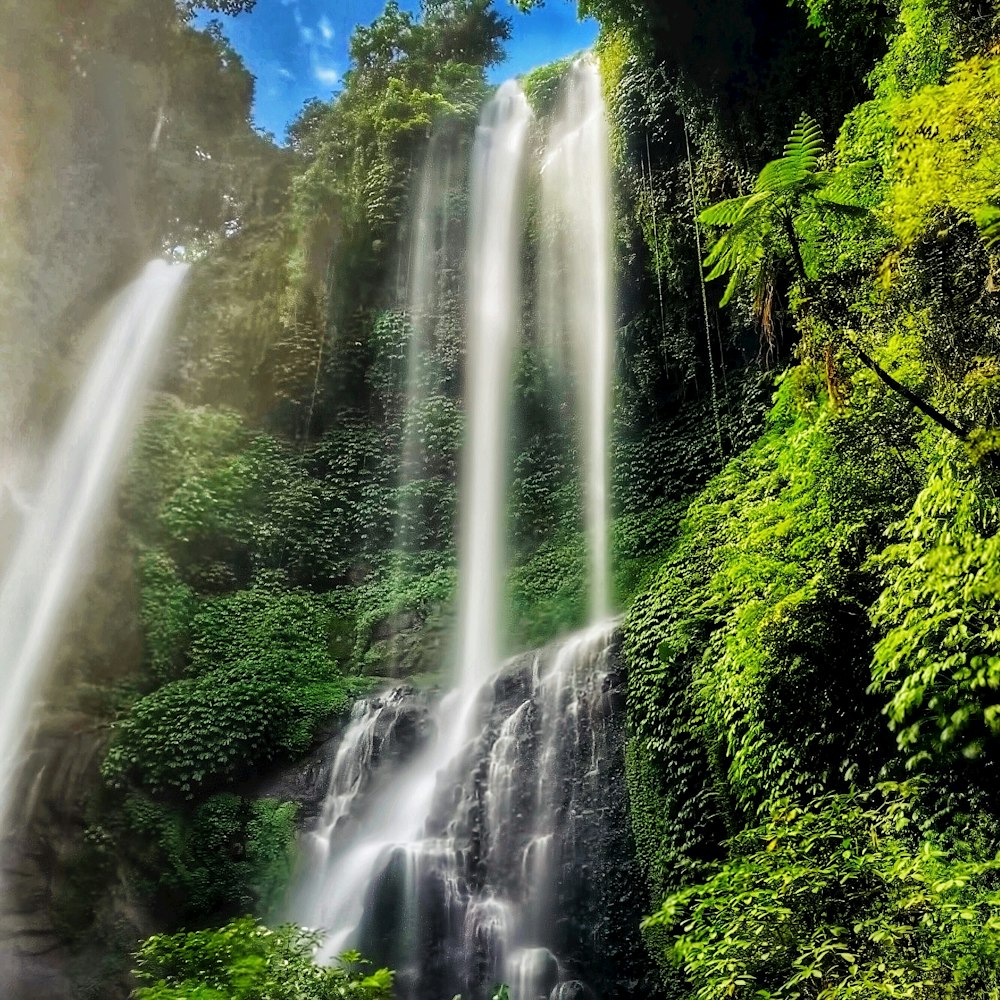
(947, 154)
(747, 652)
(247, 961)
(167, 610)
(177, 444)
(837, 900)
(263, 678)
(939, 617)
(226, 854)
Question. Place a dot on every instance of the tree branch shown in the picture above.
(917, 402)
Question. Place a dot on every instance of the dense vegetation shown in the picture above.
(805, 470)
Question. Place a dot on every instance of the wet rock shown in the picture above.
(572, 990)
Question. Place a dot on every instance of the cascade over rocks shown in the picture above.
(524, 870)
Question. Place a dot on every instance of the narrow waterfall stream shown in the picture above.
(39, 578)
(466, 844)
(494, 309)
(434, 242)
(577, 291)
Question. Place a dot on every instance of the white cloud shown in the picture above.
(317, 40)
(327, 75)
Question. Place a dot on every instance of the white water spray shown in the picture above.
(494, 310)
(45, 565)
(577, 291)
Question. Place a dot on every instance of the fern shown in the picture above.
(789, 193)
(799, 162)
(805, 145)
(725, 213)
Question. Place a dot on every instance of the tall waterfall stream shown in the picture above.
(39, 577)
(465, 843)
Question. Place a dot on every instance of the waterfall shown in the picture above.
(46, 563)
(331, 890)
(494, 310)
(498, 865)
(577, 297)
(479, 849)
(426, 290)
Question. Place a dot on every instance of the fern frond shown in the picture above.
(724, 256)
(734, 282)
(779, 176)
(738, 243)
(805, 145)
(783, 177)
(725, 213)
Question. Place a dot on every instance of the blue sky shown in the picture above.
(297, 49)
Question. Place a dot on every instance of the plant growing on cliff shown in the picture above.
(778, 219)
(783, 218)
(247, 961)
(837, 901)
(939, 655)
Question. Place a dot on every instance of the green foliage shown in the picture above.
(748, 649)
(413, 599)
(231, 7)
(226, 854)
(548, 594)
(262, 679)
(842, 22)
(245, 960)
(778, 220)
(167, 611)
(839, 900)
(542, 85)
(939, 618)
(226, 504)
(408, 75)
(948, 152)
(922, 48)
(177, 446)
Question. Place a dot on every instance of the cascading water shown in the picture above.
(489, 855)
(332, 889)
(577, 295)
(46, 561)
(427, 288)
(494, 310)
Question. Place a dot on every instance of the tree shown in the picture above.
(231, 7)
(782, 218)
(765, 226)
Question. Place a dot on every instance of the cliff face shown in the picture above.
(67, 918)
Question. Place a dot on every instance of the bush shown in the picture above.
(225, 855)
(839, 900)
(263, 677)
(939, 617)
(247, 961)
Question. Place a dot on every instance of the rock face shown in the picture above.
(524, 871)
(400, 723)
(64, 910)
(48, 893)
